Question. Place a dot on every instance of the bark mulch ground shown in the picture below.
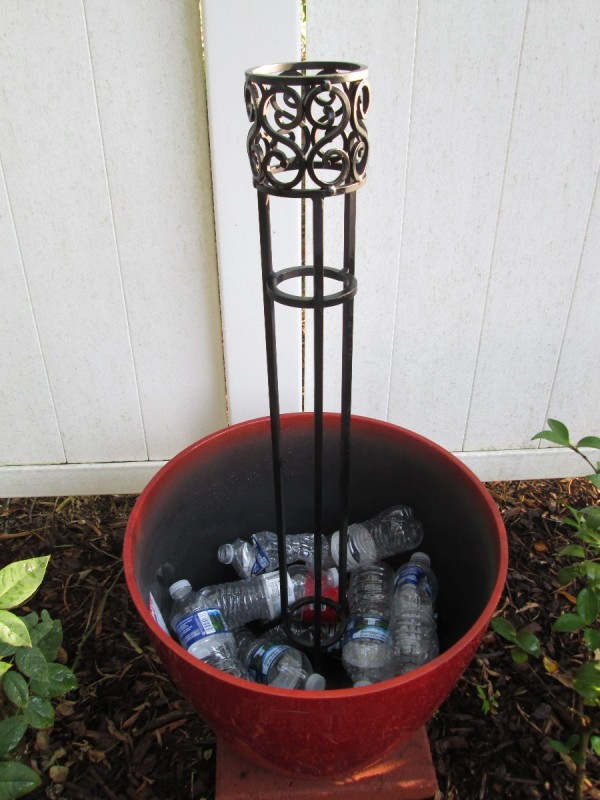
(128, 733)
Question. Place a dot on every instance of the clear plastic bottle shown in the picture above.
(389, 532)
(413, 622)
(259, 598)
(261, 553)
(367, 648)
(272, 662)
(202, 630)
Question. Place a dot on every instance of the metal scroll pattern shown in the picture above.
(307, 139)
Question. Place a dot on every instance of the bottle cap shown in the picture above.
(315, 682)
(421, 558)
(178, 586)
(358, 684)
(225, 553)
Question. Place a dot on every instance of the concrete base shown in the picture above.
(407, 774)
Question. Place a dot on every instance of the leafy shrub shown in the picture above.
(30, 677)
(582, 575)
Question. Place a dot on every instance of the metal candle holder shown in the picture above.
(308, 141)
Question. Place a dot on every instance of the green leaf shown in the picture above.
(529, 643)
(19, 580)
(60, 681)
(567, 574)
(519, 656)
(587, 605)
(48, 636)
(12, 730)
(575, 550)
(4, 667)
(568, 623)
(587, 680)
(552, 436)
(590, 536)
(40, 713)
(32, 663)
(591, 638)
(16, 780)
(595, 744)
(13, 630)
(16, 688)
(560, 747)
(591, 570)
(590, 441)
(31, 620)
(595, 479)
(504, 628)
(592, 516)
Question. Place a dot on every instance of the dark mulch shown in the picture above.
(128, 733)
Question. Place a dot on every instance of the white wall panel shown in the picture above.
(241, 34)
(550, 178)
(148, 75)
(28, 428)
(52, 153)
(356, 31)
(576, 388)
(465, 73)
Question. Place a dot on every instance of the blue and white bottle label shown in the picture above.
(262, 560)
(415, 575)
(262, 660)
(200, 624)
(373, 628)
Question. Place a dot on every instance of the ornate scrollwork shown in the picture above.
(307, 127)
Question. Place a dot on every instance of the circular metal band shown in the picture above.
(347, 280)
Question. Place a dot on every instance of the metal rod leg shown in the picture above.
(264, 220)
(346, 388)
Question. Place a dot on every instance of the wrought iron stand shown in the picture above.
(308, 141)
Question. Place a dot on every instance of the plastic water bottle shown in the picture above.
(272, 662)
(392, 531)
(367, 648)
(259, 598)
(261, 553)
(201, 629)
(413, 622)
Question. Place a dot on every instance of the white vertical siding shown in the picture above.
(380, 202)
(29, 429)
(111, 345)
(241, 34)
(52, 156)
(551, 173)
(147, 67)
(478, 230)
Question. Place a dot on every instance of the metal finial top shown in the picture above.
(307, 134)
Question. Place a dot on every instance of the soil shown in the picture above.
(126, 732)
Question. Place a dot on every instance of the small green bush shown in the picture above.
(582, 575)
(30, 678)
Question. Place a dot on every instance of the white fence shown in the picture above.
(478, 246)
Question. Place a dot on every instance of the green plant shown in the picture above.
(29, 675)
(582, 574)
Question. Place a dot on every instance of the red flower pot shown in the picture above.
(222, 487)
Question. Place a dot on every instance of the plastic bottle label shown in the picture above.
(272, 593)
(156, 613)
(262, 660)
(374, 628)
(200, 624)
(415, 575)
(262, 561)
